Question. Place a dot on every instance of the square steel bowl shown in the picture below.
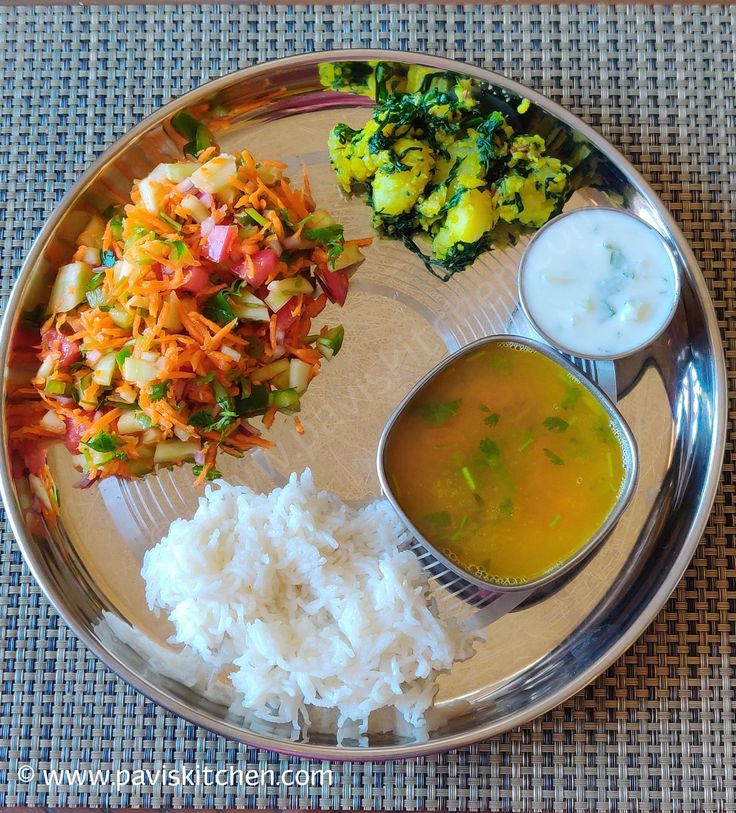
(622, 431)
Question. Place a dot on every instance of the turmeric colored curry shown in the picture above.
(506, 463)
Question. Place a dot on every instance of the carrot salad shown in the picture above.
(186, 313)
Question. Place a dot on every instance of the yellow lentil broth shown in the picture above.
(505, 463)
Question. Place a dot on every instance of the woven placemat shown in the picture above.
(656, 731)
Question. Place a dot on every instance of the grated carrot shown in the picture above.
(195, 354)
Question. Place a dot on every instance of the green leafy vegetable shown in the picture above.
(506, 509)
(122, 354)
(439, 519)
(556, 459)
(332, 237)
(159, 390)
(212, 474)
(200, 137)
(555, 424)
(572, 396)
(201, 418)
(218, 309)
(178, 250)
(439, 413)
(103, 442)
(490, 451)
(255, 403)
(492, 419)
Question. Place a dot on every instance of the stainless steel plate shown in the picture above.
(400, 321)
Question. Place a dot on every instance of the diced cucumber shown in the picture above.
(276, 300)
(133, 421)
(214, 176)
(180, 171)
(269, 371)
(47, 365)
(329, 345)
(153, 194)
(139, 370)
(70, 287)
(248, 306)
(123, 269)
(255, 403)
(195, 207)
(231, 351)
(174, 451)
(319, 219)
(281, 381)
(286, 400)
(94, 459)
(55, 387)
(104, 370)
(299, 372)
(92, 234)
(138, 301)
(121, 317)
(172, 322)
(91, 256)
(291, 287)
(51, 422)
(351, 254)
(269, 175)
(80, 388)
(139, 468)
(96, 298)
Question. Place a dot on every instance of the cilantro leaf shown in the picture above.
(490, 451)
(506, 509)
(555, 424)
(439, 519)
(177, 250)
(492, 419)
(212, 474)
(439, 413)
(122, 354)
(332, 237)
(159, 390)
(201, 418)
(218, 309)
(558, 461)
(103, 442)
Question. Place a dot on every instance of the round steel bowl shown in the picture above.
(399, 321)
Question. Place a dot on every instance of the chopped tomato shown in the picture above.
(33, 456)
(56, 342)
(334, 284)
(196, 278)
(73, 435)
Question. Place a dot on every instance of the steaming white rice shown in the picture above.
(305, 602)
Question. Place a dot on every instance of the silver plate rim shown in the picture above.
(656, 601)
